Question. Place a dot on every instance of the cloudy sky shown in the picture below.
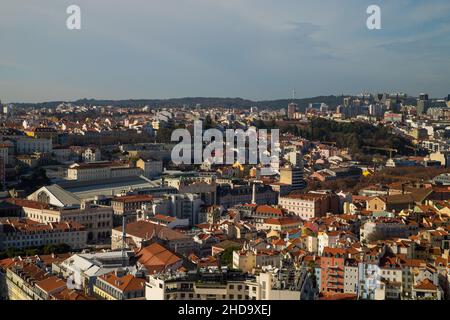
(256, 49)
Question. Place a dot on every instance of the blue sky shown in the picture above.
(256, 49)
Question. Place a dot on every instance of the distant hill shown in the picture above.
(332, 101)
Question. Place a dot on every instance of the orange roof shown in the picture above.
(155, 257)
(163, 218)
(6, 263)
(283, 221)
(308, 196)
(133, 198)
(51, 284)
(339, 296)
(265, 209)
(28, 203)
(145, 229)
(279, 242)
(15, 225)
(426, 285)
(125, 283)
(71, 295)
(334, 251)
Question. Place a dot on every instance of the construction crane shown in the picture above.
(390, 150)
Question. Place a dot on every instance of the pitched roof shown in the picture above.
(265, 209)
(133, 198)
(125, 283)
(426, 285)
(156, 257)
(51, 284)
(144, 229)
(65, 197)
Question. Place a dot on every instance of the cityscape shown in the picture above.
(340, 190)
(357, 207)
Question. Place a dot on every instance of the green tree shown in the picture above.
(226, 257)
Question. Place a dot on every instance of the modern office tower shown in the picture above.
(376, 110)
(293, 174)
(394, 103)
(423, 103)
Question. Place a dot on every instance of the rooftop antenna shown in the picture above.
(293, 95)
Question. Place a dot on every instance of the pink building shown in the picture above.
(310, 205)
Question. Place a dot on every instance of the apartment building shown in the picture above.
(114, 286)
(92, 155)
(310, 205)
(351, 276)
(21, 280)
(140, 233)
(216, 284)
(332, 264)
(128, 206)
(232, 195)
(100, 171)
(181, 206)
(30, 145)
(246, 259)
(97, 220)
(387, 228)
(24, 233)
(150, 168)
(205, 187)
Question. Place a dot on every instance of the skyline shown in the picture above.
(257, 50)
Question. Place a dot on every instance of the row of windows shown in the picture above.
(230, 297)
(41, 235)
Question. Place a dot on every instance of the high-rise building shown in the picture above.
(292, 109)
(292, 175)
(423, 103)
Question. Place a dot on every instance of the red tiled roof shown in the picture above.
(125, 283)
(264, 209)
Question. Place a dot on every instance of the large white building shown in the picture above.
(100, 171)
(97, 220)
(229, 285)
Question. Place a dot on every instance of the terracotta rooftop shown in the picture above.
(156, 257)
(125, 283)
(145, 230)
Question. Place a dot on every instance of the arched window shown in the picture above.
(43, 197)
